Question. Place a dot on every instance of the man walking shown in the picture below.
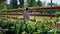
(26, 15)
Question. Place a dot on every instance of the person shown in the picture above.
(26, 15)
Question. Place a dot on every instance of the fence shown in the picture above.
(30, 9)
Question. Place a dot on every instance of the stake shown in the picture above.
(51, 11)
(34, 15)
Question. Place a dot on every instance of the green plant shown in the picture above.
(19, 27)
(57, 14)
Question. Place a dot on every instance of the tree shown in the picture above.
(13, 4)
(31, 3)
(39, 3)
(21, 3)
(54, 4)
(3, 5)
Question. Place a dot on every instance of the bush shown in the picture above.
(19, 27)
(57, 14)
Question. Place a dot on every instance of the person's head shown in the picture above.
(27, 9)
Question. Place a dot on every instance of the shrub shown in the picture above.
(19, 27)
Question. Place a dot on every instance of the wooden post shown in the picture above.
(34, 15)
(51, 11)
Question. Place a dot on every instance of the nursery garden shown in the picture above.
(42, 19)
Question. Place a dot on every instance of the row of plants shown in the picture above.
(19, 27)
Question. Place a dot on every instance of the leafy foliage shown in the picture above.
(18, 27)
(55, 4)
(21, 3)
(3, 5)
(39, 3)
(31, 3)
(57, 14)
(13, 4)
